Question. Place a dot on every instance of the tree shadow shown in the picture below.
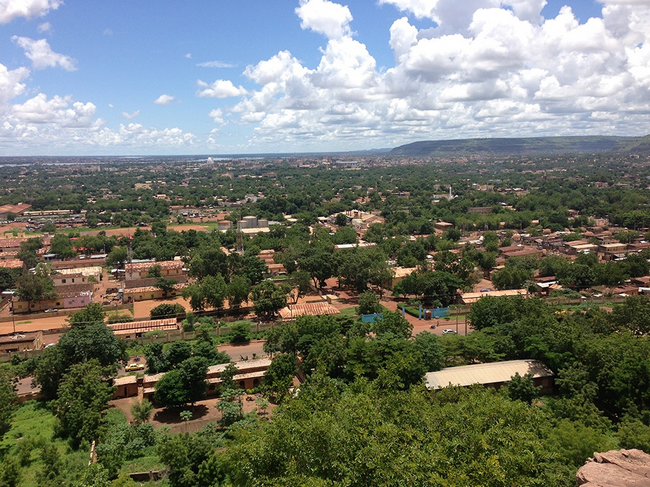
(172, 415)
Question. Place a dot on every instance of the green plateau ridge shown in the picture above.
(525, 146)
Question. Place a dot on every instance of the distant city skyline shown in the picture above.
(255, 76)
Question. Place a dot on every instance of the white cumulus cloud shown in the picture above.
(132, 115)
(62, 111)
(164, 99)
(220, 89)
(41, 55)
(325, 17)
(11, 9)
(470, 68)
(217, 115)
(11, 84)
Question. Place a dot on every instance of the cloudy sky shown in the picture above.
(92, 77)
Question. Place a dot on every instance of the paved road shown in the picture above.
(240, 352)
(27, 324)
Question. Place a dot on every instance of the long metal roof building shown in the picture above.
(485, 374)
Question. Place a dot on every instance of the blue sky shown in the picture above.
(248, 76)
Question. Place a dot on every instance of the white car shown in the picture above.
(448, 331)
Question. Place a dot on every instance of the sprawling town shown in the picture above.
(204, 320)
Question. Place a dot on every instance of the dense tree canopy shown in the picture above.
(84, 341)
(83, 394)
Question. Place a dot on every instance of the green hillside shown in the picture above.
(525, 145)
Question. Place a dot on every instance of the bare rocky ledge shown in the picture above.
(616, 468)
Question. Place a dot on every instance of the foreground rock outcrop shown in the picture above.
(616, 468)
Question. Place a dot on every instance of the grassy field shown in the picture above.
(352, 311)
(32, 428)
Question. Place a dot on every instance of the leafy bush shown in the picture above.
(166, 310)
(240, 333)
(119, 319)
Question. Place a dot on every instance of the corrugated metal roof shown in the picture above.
(492, 373)
(469, 298)
(312, 309)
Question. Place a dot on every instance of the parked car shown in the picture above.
(133, 367)
(448, 331)
(51, 310)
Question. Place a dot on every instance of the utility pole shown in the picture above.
(240, 236)
(13, 316)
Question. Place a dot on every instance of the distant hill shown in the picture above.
(525, 146)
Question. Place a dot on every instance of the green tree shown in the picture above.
(8, 278)
(214, 291)
(154, 271)
(511, 278)
(490, 241)
(554, 265)
(359, 266)
(210, 353)
(227, 377)
(320, 262)
(268, 298)
(49, 227)
(491, 311)
(156, 360)
(95, 475)
(93, 313)
(80, 344)
(35, 287)
(117, 257)
(141, 411)
(61, 245)
(433, 354)
(522, 388)
(278, 378)
(176, 353)
(466, 431)
(393, 322)
(183, 385)
(435, 288)
(211, 291)
(208, 261)
(240, 332)
(341, 220)
(633, 433)
(8, 398)
(253, 268)
(368, 303)
(237, 291)
(10, 472)
(300, 280)
(82, 396)
(53, 467)
(633, 314)
(187, 457)
(27, 253)
(186, 417)
(167, 286)
(579, 276)
(166, 310)
(230, 407)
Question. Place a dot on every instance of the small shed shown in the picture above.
(125, 386)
